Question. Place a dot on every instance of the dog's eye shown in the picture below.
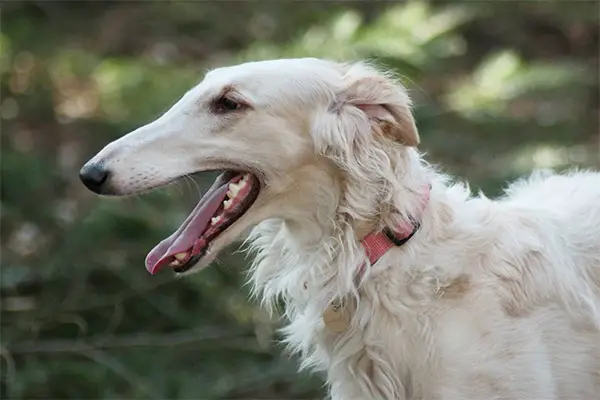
(225, 104)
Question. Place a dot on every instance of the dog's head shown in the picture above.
(297, 139)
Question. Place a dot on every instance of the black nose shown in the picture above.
(93, 176)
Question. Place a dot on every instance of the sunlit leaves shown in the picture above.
(504, 77)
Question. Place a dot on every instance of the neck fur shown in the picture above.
(323, 249)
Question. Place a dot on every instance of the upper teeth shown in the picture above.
(215, 220)
(233, 191)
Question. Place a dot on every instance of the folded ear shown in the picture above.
(384, 102)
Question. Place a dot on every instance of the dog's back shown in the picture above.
(560, 220)
(570, 205)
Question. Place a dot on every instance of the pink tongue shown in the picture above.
(189, 232)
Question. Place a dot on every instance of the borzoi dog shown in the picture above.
(396, 281)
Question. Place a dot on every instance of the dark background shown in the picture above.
(500, 88)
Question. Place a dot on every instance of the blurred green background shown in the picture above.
(499, 87)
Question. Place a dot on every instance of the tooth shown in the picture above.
(174, 263)
(245, 177)
(227, 204)
(233, 190)
(181, 256)
(215, 220)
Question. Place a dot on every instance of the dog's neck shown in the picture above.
(325, 250)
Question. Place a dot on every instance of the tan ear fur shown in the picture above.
(384, 101)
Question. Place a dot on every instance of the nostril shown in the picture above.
(94, 176)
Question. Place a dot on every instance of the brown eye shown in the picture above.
(224, 104)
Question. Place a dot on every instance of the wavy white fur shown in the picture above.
(491, 299)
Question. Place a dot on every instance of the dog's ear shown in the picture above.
(366, 105)
(383, 101)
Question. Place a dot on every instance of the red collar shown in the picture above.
(377, 243)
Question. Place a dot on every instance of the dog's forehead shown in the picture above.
(272, 68)
(268, 77)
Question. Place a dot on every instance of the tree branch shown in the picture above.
(236, 339)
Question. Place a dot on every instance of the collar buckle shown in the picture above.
(400, 240)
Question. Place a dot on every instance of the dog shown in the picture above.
(397, 281)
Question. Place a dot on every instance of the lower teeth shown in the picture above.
(181, 256)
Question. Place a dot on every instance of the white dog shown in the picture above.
(397, 282)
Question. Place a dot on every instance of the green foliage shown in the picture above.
(499, 88)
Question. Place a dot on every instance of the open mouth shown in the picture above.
(229, 198)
